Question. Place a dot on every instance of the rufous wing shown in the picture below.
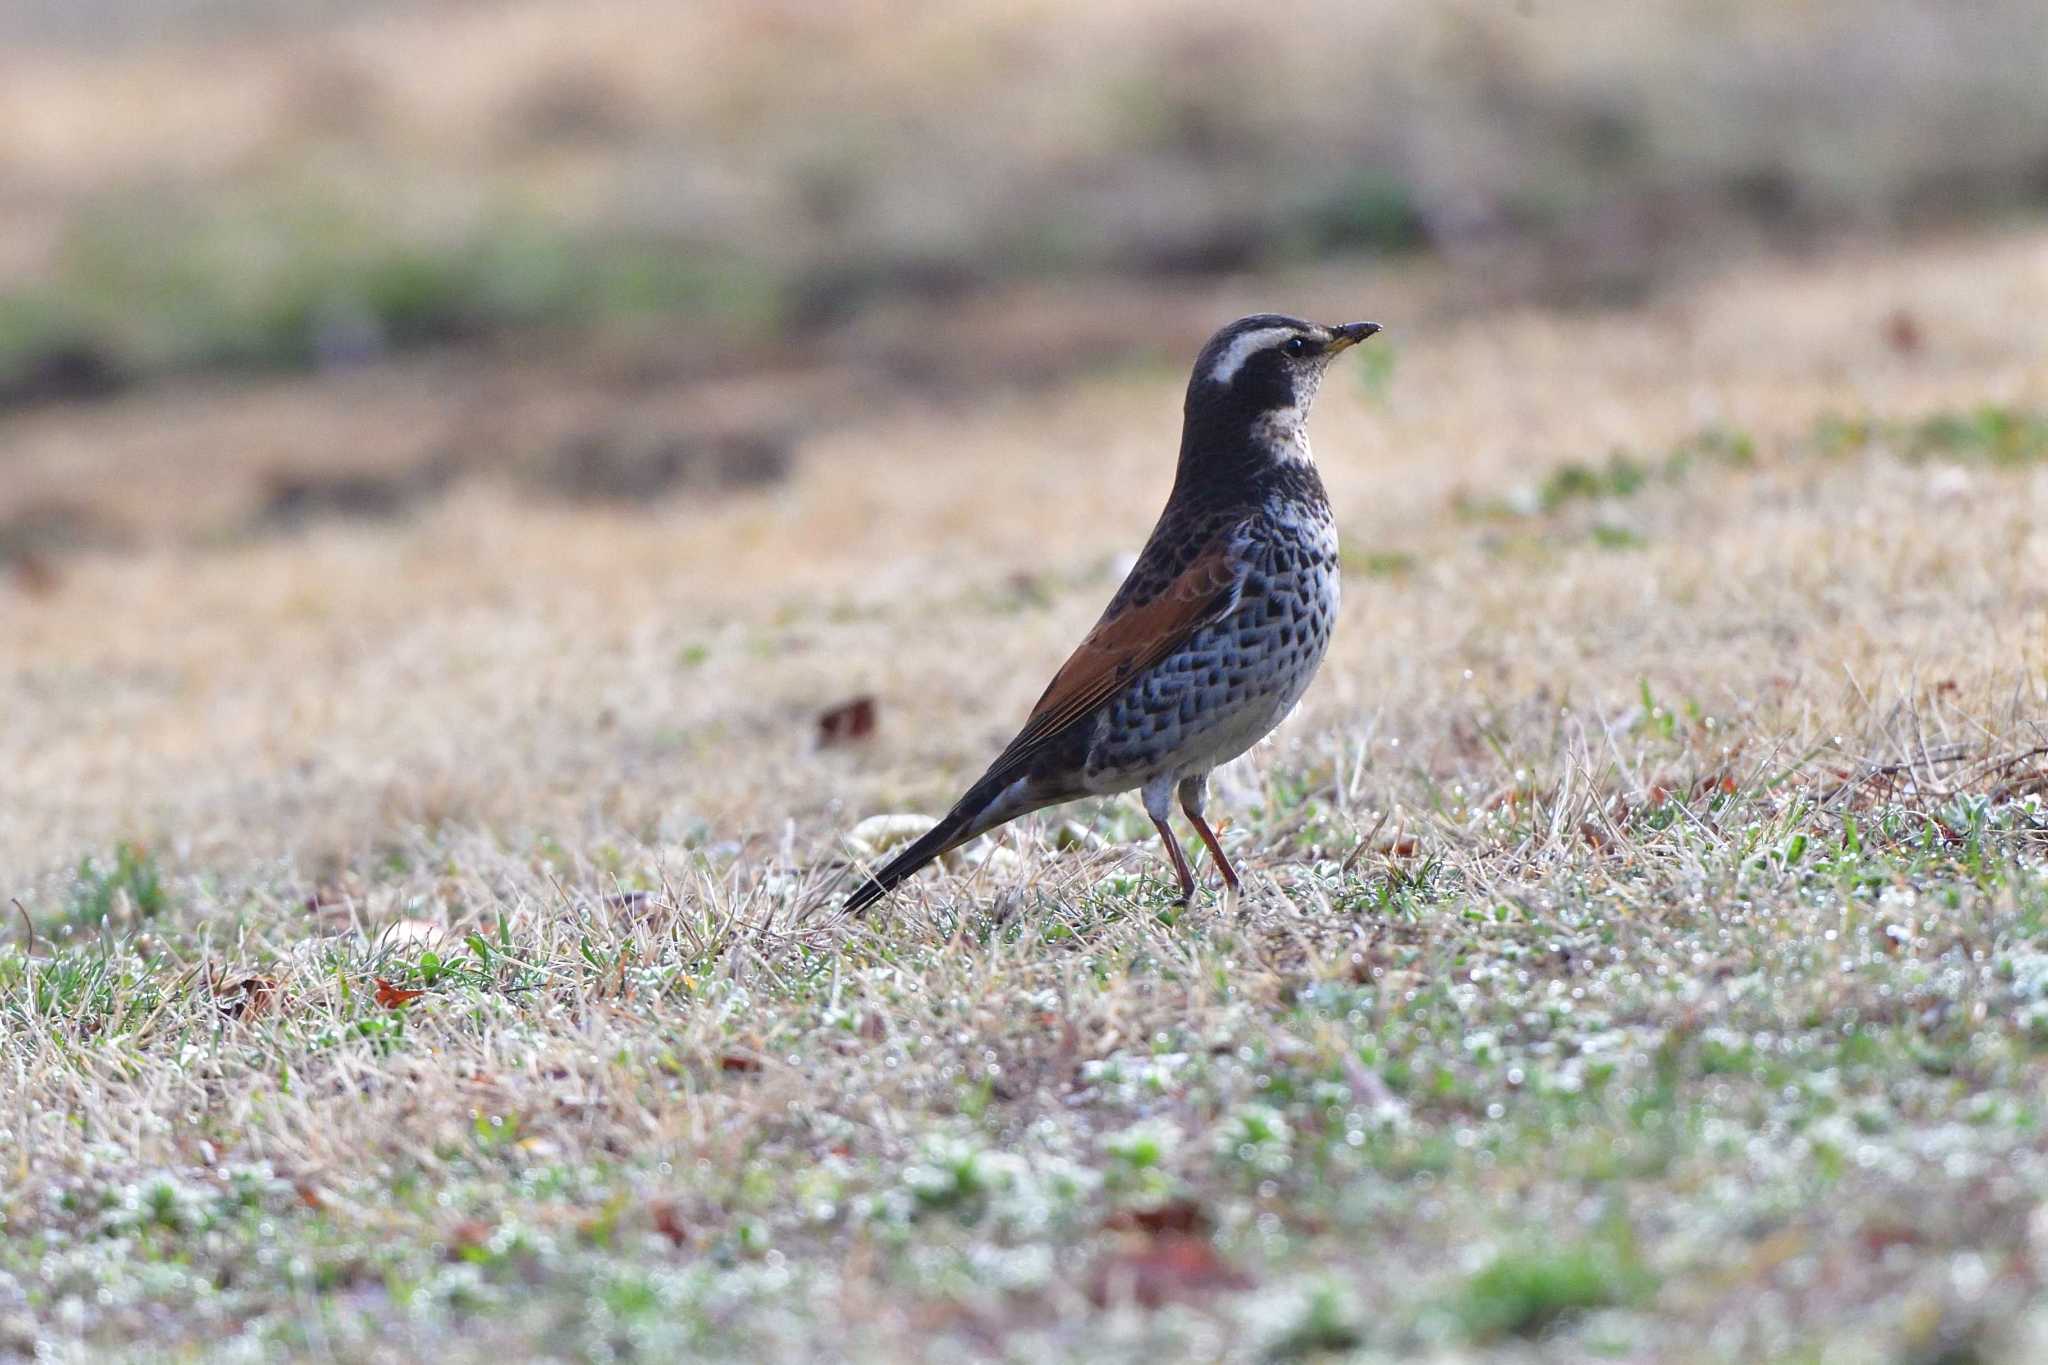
(1128, 641)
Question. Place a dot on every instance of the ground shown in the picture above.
(427, 938)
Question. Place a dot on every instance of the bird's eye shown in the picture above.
(1296, 346)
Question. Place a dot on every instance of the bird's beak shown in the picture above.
(1350, 334)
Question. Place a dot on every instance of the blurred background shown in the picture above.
(660, 244)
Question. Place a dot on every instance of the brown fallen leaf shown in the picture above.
(1183, 1216)
(1175, 1267)
(393, 997)
(467, 1235)
(847, 722)
(249, 997)
(1713, 784)
(1884, 1235)
(739, 1061)
(1902, 332)
(668, 1221)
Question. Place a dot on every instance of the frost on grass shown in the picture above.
(1682, 1060)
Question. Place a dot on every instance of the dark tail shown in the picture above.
(949, 833)
(975, 813)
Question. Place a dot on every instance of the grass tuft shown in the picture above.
(1526, 1291)
(124, 893)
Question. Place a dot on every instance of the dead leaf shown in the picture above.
(668, 1221)
(393, 997)
(1902, 332)
(249, 997)
(847, 722)
(467, 1235)
(739, 1061)
(1176, 1267)
(1175, 1216)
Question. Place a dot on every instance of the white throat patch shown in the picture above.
(1280, 432)
(1243, 348)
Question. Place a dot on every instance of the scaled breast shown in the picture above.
(1234, 681)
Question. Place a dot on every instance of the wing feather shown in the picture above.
(1127, 641)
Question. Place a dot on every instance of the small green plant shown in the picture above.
(1717, 445)
(1145, 1145)
(1138, 1157)
(132, 886)
(1256, 1138)
(953, 1174)
(1995, 435)
(1991, 434)
(1324, 1326)
(1606, 536)
(1622, 476)
(1524, 1290)
(1657, 718)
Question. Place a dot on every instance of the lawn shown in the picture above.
(425, 939)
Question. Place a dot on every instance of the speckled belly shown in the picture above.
(1234, 681)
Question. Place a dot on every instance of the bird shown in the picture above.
(1216, 630)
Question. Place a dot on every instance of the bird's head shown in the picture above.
(1256, 378)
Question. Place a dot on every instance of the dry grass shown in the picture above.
(1643, 953)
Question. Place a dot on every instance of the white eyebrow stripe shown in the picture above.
(1243, 348)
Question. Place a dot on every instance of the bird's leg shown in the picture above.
(1180, 861)
(1158, 795)
(1215, 850)
(1194, 796)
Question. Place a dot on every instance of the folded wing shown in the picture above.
(1129, 639)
